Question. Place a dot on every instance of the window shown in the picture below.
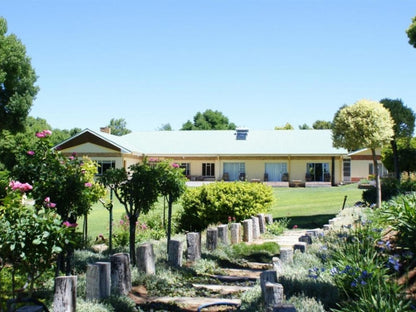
(382, 171)
(104, 165)
(234, 171)
(347, 169)
(317, 172)
(186, 168)
(208, 169)
(275, 171)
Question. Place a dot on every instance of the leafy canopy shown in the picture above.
(411, 32)
(209, 120)
(118, 126)
(365, 124)
(17, 81)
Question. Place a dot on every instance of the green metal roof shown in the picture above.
(224, 142)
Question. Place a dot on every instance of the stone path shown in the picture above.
(249, 274)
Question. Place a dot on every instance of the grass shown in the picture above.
(305, 207)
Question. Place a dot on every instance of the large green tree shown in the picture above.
(209, 120)
(365, 124)
(17, 81)
(411, 32)
(287, 126)
(404, 125)
(118, 126)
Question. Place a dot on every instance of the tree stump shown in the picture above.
(269, 218)
(262, 223)
(193, 242)
(306, 239)
(105, 279)
(120, 274)
(146, 259)
(93, 282)
(212, 238)
(64, 299)
(223, 233)
(248, 230)
(256, 227)
(273, 294)
(175, 253)
(284, 308)
(278, 266)
(235, 233)
(267, 276)
(286, 255)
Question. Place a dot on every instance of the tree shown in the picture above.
(165, 127)
(322, 124)
(118, 126)
(137, 190)
(304, 127)
(365, 124)
(404, 124)
(287, 126)
(411, 32)
(209, 120)
(17, 81)
(172, 184)
(64, 184)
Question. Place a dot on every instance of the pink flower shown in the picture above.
(44, 133)
(88, 184)
(69, 224)
(121, 222)
(71, 158)
(23, 187)
(295, 226)
(40, 134)
(74, 154)
(51, 205)
(175, 165)
(47, 132)
(31, 153)
(47, 199)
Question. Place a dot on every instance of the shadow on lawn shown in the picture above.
(309, 222)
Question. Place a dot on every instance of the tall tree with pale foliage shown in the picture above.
(365, 124)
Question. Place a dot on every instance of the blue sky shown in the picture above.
(262, 63)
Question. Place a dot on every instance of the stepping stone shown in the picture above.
(222, 289)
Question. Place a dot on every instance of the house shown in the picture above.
(276, 157)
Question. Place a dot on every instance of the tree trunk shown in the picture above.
(132, 239)
(396, 164)
(377, 177)
(170, 203)
(65, 294)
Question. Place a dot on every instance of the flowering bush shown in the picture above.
(30, 238)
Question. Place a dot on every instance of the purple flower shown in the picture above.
(69, 224)
(22, 187)
(31, 153)
(88, 184)
(175, 165)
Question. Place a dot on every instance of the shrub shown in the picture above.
(216, 202)
(389, 188)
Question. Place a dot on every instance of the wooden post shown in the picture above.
(146, 258)
(120, 274)
(175, 253)
(64, 299)
(256, 227)
(284, 308)
(193, 242)
(267, 276)
(248, 230)
(278, 266)
(105, 279)
(235, 233)
(269, 219)
(262, 223)
(286, 255)
(212, 238)
(306, 239)
(273, 294)
(93, 282)
(223, 233)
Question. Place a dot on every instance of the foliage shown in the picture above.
(165, 127)
(322, 124)
(390, 187)
(406, 153)
(118, 126)
(209, 120)
(304, 127)
(411, 32)
(215, 202)
(365, 124)
(30, 238)
(400, 214)
(277, 227)
(17, 81)
(287, 126)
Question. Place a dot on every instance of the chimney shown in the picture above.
(105, 130)
(241, 134)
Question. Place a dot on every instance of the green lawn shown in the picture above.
(312, 207)
(305, 207)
